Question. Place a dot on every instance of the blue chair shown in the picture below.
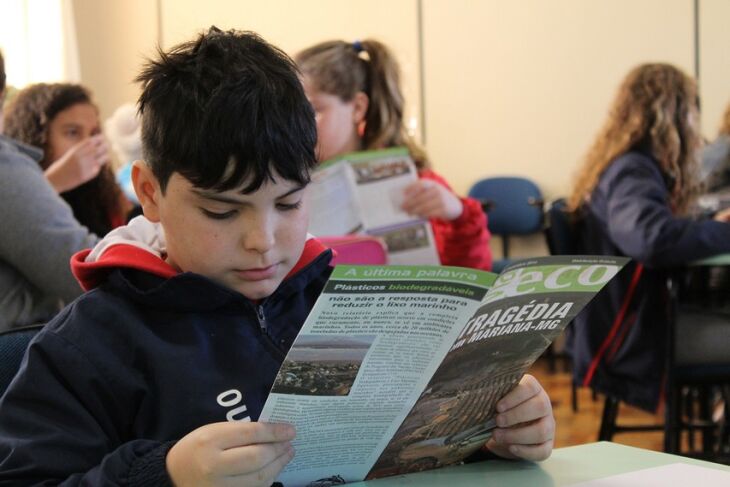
(513, 206)
(13, 344)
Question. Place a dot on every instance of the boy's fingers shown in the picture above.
(235, 434)
(533, 433)
(266, 433)
(528, 387)
(535, 407)
(534, 453)
(266, 475)
(253, 458)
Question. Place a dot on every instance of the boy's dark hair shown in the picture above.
(226, 96)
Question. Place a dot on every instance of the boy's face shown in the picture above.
(247, 242)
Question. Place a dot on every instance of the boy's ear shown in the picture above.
(360, 106)
(148, 190)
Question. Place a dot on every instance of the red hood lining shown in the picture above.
(91, 274)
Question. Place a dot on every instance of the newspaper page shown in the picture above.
(525, 310)
(398, 369)
(364, 355)
(362, 192)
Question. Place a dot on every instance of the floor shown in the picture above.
(574, 428)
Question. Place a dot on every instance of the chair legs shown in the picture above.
(724, 434)
(690, 409)
(672, 421)
(704, 413)
(608, 420)
(609, 426)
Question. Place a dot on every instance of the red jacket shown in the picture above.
(465, 241)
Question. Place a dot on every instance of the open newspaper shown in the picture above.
(399, 368)
(362, 192)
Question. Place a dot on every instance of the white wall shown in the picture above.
(114, 39)
(510, 87)
(714, 63)
(521, 87)
(294, 25)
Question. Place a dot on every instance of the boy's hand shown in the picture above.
(231, 453)
(428, 199)
(525, 424)
(79, 164)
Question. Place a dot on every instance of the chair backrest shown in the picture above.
(513, 204)
(560, 231)
(357, 249)
(13, 344)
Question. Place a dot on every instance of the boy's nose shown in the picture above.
(259, 236)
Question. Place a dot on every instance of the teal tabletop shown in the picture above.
(566, 466)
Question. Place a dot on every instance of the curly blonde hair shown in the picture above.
(656, 109)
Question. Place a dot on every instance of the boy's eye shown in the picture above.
(218, 216)
(289, 206)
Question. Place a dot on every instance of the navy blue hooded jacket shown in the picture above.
(144, 358)
(629, 214)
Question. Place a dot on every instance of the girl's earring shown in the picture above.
(361, 129)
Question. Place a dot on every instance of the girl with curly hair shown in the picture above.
(354, 88)
(633, 195)
(62, 120)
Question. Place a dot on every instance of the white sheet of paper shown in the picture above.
(674, 474)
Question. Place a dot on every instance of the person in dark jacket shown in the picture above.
(158, 374)
(632, 195)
